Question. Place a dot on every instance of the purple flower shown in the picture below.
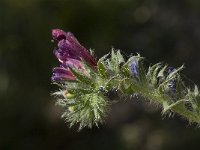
(61, 74)
(58, 34)
(70, 53)
(133, 66)
(69, 47)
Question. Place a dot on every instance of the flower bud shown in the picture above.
(69, 95)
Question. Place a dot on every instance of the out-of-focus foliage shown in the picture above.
(167, 30)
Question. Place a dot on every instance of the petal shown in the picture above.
(64, 55)
(60, 74)
(74, 63)
(65, 47)
(70, 48)
(58, 34)
(60, 70)
(60, 55)
(81, 51)
(134, 67)
(61, 78)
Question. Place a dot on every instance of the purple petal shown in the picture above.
(69, 44)
(73, 63)
(78, 49)
(60, 55)
(60, 74)
(58, 34)
(60, 70)
(64, 55)
(65, 47)
(75, 50)
(70, 53)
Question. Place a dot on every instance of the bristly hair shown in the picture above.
(85, 83)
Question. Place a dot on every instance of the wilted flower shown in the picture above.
(71, 54)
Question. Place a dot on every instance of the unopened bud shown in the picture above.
(68, 95)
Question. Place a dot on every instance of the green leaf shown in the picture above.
(161, 72)
(125, 86)
(125, 70)
(174, 73)
(171, 106)
(154, 79)
(170, 77)
(102, 67)
(115, 61)
(151, 70)
(79, 90)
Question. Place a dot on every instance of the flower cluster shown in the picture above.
(70, 53)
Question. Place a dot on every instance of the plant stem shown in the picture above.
(156, 97)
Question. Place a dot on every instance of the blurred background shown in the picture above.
(167, 30)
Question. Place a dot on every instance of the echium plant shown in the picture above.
(84, 83)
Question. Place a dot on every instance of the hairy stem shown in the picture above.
(155, 96)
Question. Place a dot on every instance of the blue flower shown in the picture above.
(133, 66)
(172, 82)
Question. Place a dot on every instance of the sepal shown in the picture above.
(102, 68)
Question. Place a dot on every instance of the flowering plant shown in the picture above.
(84, 83)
